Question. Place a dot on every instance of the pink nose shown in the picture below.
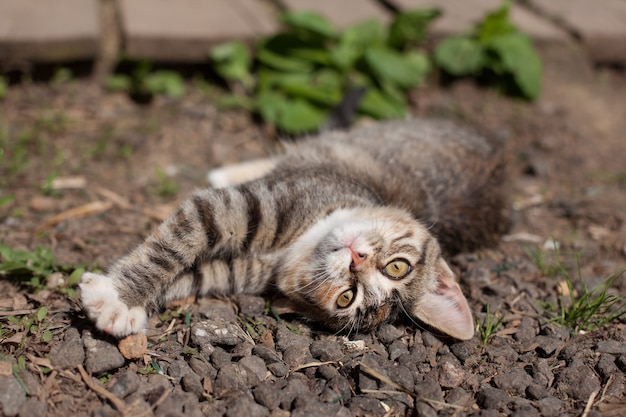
(357, 257)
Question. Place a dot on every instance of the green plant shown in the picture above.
(17, 153)
(547, 261)
(143, 82)
(28, 325)
(61, 75)
(304, 71)
(46, 187)
(496, 53)
(17, 370)
(586, 309)
(33, 267)
(105, 378)
(489, 326)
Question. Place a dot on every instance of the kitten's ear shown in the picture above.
(445, 308)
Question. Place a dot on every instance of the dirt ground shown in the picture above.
(124, 166)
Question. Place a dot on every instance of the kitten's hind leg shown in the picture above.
(102, 303)
(235, 174)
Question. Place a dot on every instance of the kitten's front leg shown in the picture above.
(211, 222)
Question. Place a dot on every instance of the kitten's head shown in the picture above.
(358, 268)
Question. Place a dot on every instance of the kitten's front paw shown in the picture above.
(102, 303)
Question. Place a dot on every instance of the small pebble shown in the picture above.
(133, 346)
(451, 375)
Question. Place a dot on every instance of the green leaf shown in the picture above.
(410, 27)
(283, 62)
(344, 55)
(289, 115)
(419, 61)
(118, 82)
(519, 58)
(269, 105)
(406, 71)
(289, 53)
(155, 366)
(364, 34)
(495, 24)
(459, 56)
(329, 78)
(300, 116)
(166, 82)
(393, 93)
(322, 87)
(309, 22)
(325, 96)
(353, 42)
(232, 62)
(75, 276)
(41, 314)
(379, 105)
(314, 55)
(46, 336)
(269, 78)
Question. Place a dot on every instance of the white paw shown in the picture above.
(102, 303)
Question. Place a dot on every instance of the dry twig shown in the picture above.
(312, 364)
(89, 209)
(592, 398)
(103, 392)
(401, 389)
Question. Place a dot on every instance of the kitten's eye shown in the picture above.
(345, 299)
(397, 269)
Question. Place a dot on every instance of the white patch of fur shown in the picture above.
(230, 175)
(102, 303)
(306, 243)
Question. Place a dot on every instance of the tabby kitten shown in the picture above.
(349, 226)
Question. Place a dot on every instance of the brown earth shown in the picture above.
(134, 163)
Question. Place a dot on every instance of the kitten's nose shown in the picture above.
(357, 258)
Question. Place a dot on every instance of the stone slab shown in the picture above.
(50, 30)
(600, 24)
(341, 13)
(184, 30)
(459, 16)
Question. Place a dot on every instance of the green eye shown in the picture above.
(397, 269)
(345, 299)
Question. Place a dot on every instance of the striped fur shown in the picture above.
(399, 190)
